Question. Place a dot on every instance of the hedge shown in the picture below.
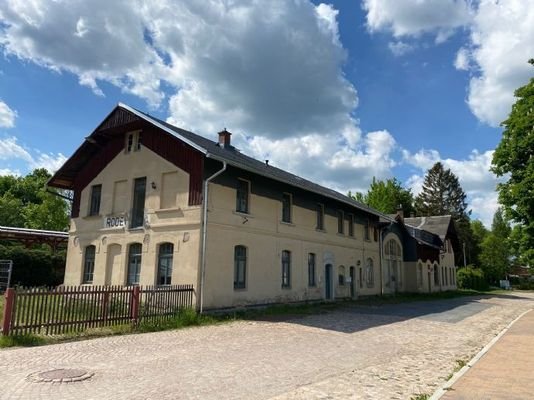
(34, 267)
(471, 278)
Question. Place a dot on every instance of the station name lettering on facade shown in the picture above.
(114, 221)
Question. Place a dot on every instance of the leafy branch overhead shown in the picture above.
(514, 159)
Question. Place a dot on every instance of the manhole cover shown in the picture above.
(61, 375)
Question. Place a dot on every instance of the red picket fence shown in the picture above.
(53, 311)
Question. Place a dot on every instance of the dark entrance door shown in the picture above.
(328, 281)
(352, 282)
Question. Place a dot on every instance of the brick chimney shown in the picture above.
(224, 139)
(400, 212)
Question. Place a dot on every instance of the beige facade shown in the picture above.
(136, 224)
(168, 219)
(357, 267)
(265, 237)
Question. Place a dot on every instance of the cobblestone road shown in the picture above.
(388, 352)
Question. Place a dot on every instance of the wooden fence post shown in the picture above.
(135, 304)
(8, 311)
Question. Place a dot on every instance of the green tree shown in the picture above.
(10, 210)
(514, 158)
(495, 255)
(24, 202)
(386, 196)
(520, 250)
(479, 234)
(443, 195)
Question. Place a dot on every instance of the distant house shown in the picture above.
(155, 204)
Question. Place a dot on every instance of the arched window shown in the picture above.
(393, 261)
(436, 274)
(286, 269)
(370, 273)
(134, 263)
(240, 267)
(165, 263)
(89, 264)
(419, 275)
(341, 275)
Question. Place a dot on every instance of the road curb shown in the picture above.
(447, 385)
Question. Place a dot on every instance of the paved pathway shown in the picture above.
(389, 352)
(505, 372)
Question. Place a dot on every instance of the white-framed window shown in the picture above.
(165, 259)
(134, 263)
(133, 141)
(89, 264)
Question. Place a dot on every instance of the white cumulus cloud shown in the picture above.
(502, 41)
(416, 17)
(270, 72)
(11, 150)
(499, 43)
(7, 116)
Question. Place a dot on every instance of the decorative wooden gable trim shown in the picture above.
(107, 141)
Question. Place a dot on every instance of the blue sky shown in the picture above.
(337, 92)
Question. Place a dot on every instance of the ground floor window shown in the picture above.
(436, 275)
(286, 269)
(134, 263)
(419, 275)
(311, 269)
(240, 267)
(165, 263)
(89, 264)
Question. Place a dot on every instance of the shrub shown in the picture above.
(471, 278)
(34, 267)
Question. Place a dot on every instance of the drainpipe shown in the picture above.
(204, 232)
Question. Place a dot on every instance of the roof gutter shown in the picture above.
(205, 231)
(362, 207)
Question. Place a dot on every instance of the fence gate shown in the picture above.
(6, 268)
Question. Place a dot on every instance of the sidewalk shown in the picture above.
(506, 371)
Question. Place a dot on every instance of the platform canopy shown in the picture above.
(29, 237)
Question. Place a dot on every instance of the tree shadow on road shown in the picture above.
(352, 316)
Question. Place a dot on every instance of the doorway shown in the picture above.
(328, 281)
